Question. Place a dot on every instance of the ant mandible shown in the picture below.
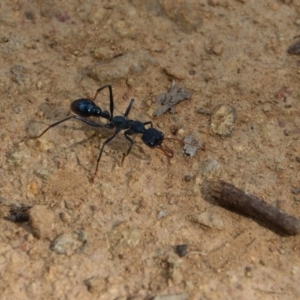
(84, 108)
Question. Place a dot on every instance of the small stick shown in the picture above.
(232, 198)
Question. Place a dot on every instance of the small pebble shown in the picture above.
(32, 188)
(66, 218)
(248, 272)
(41, 221)
(39, 114)
(191, 145)
(180, 131)
(121, 66)
(175, 72)
(4, 39)
(162, 214)
(208, 219)
(39, 85)
(295, 191)
(130, 82)
(69, 204)
(174, 129)
(29, 238)
(222, 120)
(187, 178)
(42, 173)
(181, 250)
(211, 168)
(266, 107)
(183, 296)
(68, 243)
(204, 111)
(103, 52)
(294, 49)
(213, 2)
(295, 270)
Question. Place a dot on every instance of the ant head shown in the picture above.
(154, 138)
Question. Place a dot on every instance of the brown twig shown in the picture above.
(232, 198)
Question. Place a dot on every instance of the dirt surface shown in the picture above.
(115, 238)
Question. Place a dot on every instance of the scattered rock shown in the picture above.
(215, 48)
(266, 107)
(174, 272)
(294, 49)
(102, 52)
(175, 95)
(151, 6)
(295, 191)
(269, 131)
(17, 217)
(122, 66)
(184, 15)
(212, 2)
(162, 214)
(4, 39)
(41, 221)
(68, 243)
(181, 250)
(18, 75)
(110, 287)
(183, 296)
(175, 72)
(222, 120)
(123, 238)
(32, 188)
(43, 173)
(210, 169)
(187, 178)
(96, 285)
(248, 272)
(190, 145)
(40, 145)
(18, 213)
(204, 111)
(208, 219)
(69, 204)
(66, 218)
(124, 29)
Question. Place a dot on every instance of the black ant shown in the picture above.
(152, 137)
(83, 108)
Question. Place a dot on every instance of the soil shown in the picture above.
(118, 237)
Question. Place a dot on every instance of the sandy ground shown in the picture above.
(115, 238)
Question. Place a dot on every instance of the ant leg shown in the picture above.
(100, 153)
(111, 98)
(65, 119)
(129, 149)
(128, 108)
(165, 150)
(149, 122)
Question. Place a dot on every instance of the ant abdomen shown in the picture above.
(87, 108)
